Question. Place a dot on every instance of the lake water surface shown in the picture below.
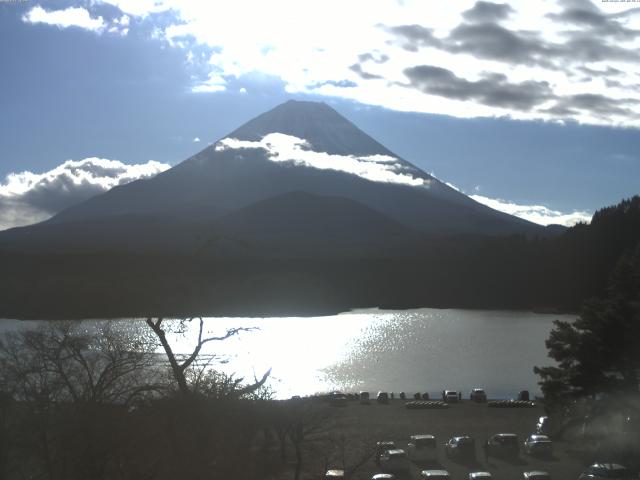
(409, 350)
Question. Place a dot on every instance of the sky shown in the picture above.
(529, 107)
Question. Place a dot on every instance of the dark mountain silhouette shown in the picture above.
(299, 224)
(171, 210)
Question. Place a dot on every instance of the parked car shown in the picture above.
(523, 395)
(384, 476)
(334, 475)
(543, 427)
(478, 395)
(435, 474)
(422, 448)
(383, 397)
(338, 399)
(450, 396)
(605, 470)
(480, 475)
(536, 475)
(395, 461)
(461, 447)
(539, 445)
(382, 447)
(364, 398)
(503, 445)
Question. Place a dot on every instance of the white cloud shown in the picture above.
(535, 213)
(288, 148)
(316, 53)
(28, 197)
(196, 140)
(70, 17)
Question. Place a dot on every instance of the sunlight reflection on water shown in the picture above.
(409, 350)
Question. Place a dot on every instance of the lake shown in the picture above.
(408, 350)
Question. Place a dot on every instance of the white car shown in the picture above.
(395, 461)
(536, 475)
(384, 476)
(435, 474)
(480, 475)
(422, 448)
(538, 445)
(334, 475)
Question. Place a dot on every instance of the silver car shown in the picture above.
(536, 475)
(480, 476)
(605, 470)
(435, 474)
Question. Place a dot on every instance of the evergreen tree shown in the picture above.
(598, 353)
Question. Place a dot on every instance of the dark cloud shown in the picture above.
(493, 90)
(375, 57)
(585, 15)
(415, 36)
(585, 47)
(600, 37)
(487, 11)
(592, 72)
(357, 68)
(495, 42)
(595, 104)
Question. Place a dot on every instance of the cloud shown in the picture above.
(288, 148)
(70, 17)
(196, 140)
(597, 105)
(535, 213)
(370, 49)
(357, 68)
(28, 197)
(493, 90)
(487, 11)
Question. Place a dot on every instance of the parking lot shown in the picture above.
(396, 423)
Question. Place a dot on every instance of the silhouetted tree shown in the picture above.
(180, 364)
(600, 351)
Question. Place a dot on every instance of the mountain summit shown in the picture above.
(317, 123)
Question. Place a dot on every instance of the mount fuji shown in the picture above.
(296, 211)
(296, 166)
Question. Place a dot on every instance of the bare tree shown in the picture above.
(180, 364)
(70, 385)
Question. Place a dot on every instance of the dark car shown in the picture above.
(383, 397)
(539, 445)
(382, 447)
(478, 395)
(605, 470)
(503, 445)
(523, 395)
(461, 446)
(338, 399)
